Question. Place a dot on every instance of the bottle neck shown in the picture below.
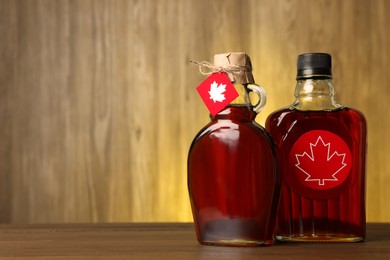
(315, 94)
(243, 96)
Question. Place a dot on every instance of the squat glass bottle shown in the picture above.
(232, 178)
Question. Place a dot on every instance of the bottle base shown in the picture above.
(236, 243)
(234, 232)
(320, 239)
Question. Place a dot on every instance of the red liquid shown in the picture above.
(306, 214)
(232, 181)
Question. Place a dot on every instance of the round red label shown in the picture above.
(320, 160)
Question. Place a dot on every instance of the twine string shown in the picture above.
(205, 68)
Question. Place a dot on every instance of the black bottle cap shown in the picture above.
(314, 65)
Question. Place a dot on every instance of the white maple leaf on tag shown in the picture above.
(216, 92)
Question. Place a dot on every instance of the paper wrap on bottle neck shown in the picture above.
(237, 66)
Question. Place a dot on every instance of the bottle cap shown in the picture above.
(237, 66)
(314, 65)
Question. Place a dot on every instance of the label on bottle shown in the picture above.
(217, 92)
(320, 160)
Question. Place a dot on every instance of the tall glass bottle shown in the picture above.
(322, 147)
(232, 178)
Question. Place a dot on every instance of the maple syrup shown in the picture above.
(322, 149)
(232, 176)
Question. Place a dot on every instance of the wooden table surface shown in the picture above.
(167, 241)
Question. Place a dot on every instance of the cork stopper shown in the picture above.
(237, 66)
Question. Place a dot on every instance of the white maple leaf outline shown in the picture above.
(216, 92)
(321, 181)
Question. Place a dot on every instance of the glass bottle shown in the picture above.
(322, 148)
(232, 177)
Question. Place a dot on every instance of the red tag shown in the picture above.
(320, 160)
(217, 92)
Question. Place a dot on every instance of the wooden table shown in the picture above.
(167, 241)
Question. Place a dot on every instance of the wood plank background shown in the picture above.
(98, 104)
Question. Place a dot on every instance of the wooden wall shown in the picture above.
(98, 104)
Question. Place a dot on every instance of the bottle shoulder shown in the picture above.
(232, 130)
(233, 136)
(225, 124)
(292, 123)
(291, 112)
